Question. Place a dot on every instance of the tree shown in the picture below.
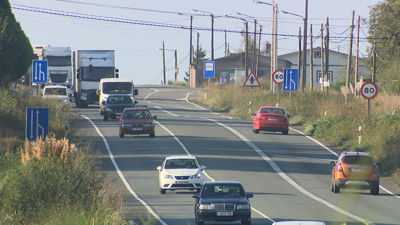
(16, 52)
(200, 58)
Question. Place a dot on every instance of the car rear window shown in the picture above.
(362, 160)
(272, 111)
(119, 100)
(181, 164)
(136, 114)
(226, 190)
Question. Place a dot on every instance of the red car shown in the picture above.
(270, 118)
(137, 120)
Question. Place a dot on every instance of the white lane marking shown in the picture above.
(322, 145)
(170, 113)
(283, 175)
(121, 175)
(296, 157)
(155, 90)
(205, 173)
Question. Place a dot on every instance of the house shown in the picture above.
(337, 66)
(231, 69)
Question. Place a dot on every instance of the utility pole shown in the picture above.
(374, 64)
(212, 37)
(246, 64)
(176, 66)
(165, 76)
(357, 49)
(225, 44)
(327, 53)
(304, 65)
(274, 45)
(350, 51)
(254, 46)
(197, 51)
(299, 56)
(322, 58)
(311, 60)
(258, 52)
(191, 50)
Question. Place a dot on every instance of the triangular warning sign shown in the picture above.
(251, 81)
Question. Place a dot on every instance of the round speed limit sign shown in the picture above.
(277, 76)
(369, 90)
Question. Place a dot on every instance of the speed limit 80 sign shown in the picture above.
(369, 90)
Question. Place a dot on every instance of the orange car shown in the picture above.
(355, 170)
(271, 118)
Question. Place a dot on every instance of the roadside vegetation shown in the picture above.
(329, 116)
(50, 182)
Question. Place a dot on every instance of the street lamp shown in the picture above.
(303, 78)
(212, 31)
(176, 63)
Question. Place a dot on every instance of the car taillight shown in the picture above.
(375, 169)
(339, 167)
(260, 118)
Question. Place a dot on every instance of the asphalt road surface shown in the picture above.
(288, 174)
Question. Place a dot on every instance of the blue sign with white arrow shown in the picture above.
(290, 79)
(39, 74)
(37, 123)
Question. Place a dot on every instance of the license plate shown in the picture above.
(182, 182)
(273, 119)
(359, 170)
(224, 213)
(137, 129)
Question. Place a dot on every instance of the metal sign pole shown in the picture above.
(369, 107)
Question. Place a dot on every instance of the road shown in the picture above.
(288, 174)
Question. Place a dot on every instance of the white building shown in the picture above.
(337, 66)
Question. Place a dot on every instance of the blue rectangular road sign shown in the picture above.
(39, 68)
(37, 123)
(209, 69)
(290, 79)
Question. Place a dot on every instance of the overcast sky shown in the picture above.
(136, 34)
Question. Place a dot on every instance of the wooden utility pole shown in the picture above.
(311, 60)
(304, 64)
(322, 58)
(246, 64)
(374, 64)
(176, 66)
(254, 46)
(191, 42)
(327, 53)
(212, 37)
(165, 75)
(299, 55)
(357, 49)
(258, 52)
(197, 51)
(350, 51)
(225, 44)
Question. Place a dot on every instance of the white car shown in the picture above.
(58, 92)
(180, 172)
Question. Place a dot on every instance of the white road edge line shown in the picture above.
(127, 185)
(283, 175)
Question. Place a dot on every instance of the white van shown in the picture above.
(109, 86)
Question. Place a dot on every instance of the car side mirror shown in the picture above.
(159, 168)
(135, 102)
(249, 195)
(136, 92)
(195, 196)
(288, 116)
(103, 102)
(378, 164)
(253, 114)
(155, 117)
(203, 167)
(333, 163)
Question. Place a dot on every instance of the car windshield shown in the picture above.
(55, 91)
(272, 111)
(223, 190)
(136, 114)
(361, 160)
(119, 100)
(181, 164)
(117, 87)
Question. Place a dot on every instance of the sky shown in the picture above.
(137, 29)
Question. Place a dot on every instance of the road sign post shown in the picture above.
(251, 81)
(369, 90)
(37, 123)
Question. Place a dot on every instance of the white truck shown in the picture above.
(59, 65)
(90, 66)
(109, 86)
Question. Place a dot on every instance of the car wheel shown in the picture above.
(331, 185)
(375, 190)
(105, 117)
(246, 222)
(162, 191)
(286, 132)
(152, 135)
(198, 190)
(121, 135)
(199, 222)
(336, 189)
(256, 131)
(101, 112)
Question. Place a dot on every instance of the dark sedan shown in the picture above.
(115, 105)
(222, 201)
